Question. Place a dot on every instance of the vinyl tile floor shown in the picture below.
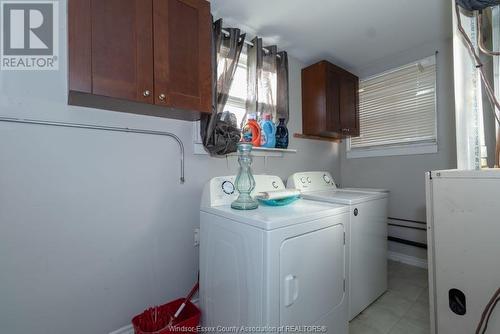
(403, 309)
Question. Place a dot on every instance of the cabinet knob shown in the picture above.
(162, 97)
(146, 93)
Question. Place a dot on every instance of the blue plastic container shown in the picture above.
(268, 132)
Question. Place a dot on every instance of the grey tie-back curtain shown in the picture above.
(267, 89)
(282, 100)
(219, 131)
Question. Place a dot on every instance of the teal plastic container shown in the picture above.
(268, 132)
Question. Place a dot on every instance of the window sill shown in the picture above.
(256, 151)
(408, 149)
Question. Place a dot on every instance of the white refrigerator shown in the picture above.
(463, 231)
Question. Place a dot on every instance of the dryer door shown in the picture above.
(312, 277)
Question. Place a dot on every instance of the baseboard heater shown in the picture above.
(410, 227)
(408, 242)
(408, 220)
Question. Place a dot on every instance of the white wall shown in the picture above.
(94, 226)
(404, 175)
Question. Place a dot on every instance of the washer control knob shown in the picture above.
(327, 178)
(303, 179)
(228, 187)
(308, 180)
(275, 185)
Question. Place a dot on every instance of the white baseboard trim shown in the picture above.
(407, 259)
(124, 330)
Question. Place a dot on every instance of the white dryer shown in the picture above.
(367, 242)
(273, 266)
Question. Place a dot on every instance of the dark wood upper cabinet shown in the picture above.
(155, 54)
(330, 101)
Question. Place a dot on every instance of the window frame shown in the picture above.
(401, 148)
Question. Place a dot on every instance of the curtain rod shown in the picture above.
(226, 33)
(105, 128)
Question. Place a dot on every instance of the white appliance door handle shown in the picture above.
(291, 292)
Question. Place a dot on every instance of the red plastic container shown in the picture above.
(187, 322)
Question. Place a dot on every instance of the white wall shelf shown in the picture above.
(256, 151)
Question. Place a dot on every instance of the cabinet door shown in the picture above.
(349, 105)
(332, 101)
(122, 49)
(79, 46)
(182, 54)
(314, 99)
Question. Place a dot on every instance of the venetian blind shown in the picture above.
(398, 107)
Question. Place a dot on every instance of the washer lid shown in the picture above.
(273, 217)
(343, 196)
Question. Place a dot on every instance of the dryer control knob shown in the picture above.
(303, 179)
(228, 187)
(326, 178)
(308, 180)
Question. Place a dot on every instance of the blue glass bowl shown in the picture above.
(279, 202)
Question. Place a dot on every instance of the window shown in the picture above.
(238, 92)
(266, 78)
(397, 112)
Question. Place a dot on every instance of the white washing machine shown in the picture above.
(273, 266)
(367, 242)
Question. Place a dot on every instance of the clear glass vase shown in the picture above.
(245, 182)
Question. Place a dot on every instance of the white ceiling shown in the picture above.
(351, 33)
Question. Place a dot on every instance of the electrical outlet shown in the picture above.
(196, 237)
